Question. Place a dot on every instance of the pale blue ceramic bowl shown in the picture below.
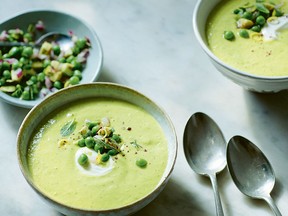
(56, 21)
(86, 91)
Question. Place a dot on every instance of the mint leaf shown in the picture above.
(68, 128)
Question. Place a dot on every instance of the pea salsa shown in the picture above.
(99, 136)
(253, 17)
(28, 73)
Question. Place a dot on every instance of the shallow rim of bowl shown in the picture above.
(31, 103)
(205, 47)
(172, 153)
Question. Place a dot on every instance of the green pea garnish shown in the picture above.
(260, 20)
(229, 35)
(81, 143)
(256, 28)
(141, 162)
(105, 157)
(244, 33)
(83, 159)
(90, 142)
(113, 152)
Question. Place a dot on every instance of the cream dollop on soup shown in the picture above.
(250, 35)
(98, 154)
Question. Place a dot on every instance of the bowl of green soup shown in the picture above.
(97, 149)
(246, 41)
(34, 65)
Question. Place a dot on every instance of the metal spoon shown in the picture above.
(251, 170)
(64, 41)
(205, 150)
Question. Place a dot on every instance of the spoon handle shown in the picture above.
(12, 44)
(272, 205)
(219, 209)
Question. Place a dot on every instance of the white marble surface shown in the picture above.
(150, 46)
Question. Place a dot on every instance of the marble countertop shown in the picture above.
(150, 46)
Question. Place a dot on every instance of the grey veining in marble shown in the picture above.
(150, 46)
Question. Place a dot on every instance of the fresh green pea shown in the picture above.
(81, 43)
(236, 11)
(35, 89)
(27, 52)
(112, 152)
(229, 35)
(41, 77)
(244, 33)
(141, 162)
(90, 142)
(7, 74)
(25, 95)
(57, 84)
(5, 66)
(83, 159)
(46, 63)
(260, 20)
(92, 124)
(247, 15)
(78, 73)
(88, 134)
(74, 80)
(15, 52)
(81, 143)
(95, 129)
(99, 148)
(105, 157)
(28, 37)
(77, 65)
(277, 13)
(116, 137)
(62, 60)
(15, 65)
(56, 50)
(76, 50)
(34, 79)
(70, 59)
(24, 60)
(2, 81)
(256, 28)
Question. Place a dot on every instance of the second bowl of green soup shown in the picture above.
(97, 149)
(246, 41)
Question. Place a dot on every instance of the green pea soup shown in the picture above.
(250, 54)
(55, 173)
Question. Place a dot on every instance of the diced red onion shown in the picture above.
(48, 83)
(40, 26)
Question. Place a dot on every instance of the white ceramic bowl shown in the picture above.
(56, 21)
(251, 82)
(95, 90)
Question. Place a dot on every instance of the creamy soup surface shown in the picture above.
(255, 55)
(55, 171)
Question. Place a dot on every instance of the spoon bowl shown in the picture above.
(64, 41)
(250, 170)
(205, 150)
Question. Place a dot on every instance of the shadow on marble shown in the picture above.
(174, 200)
(268, 114)
(105, 76)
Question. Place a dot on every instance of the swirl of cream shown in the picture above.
(93, 168)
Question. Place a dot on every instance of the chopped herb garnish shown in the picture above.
(68, 128)
(136, 145)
